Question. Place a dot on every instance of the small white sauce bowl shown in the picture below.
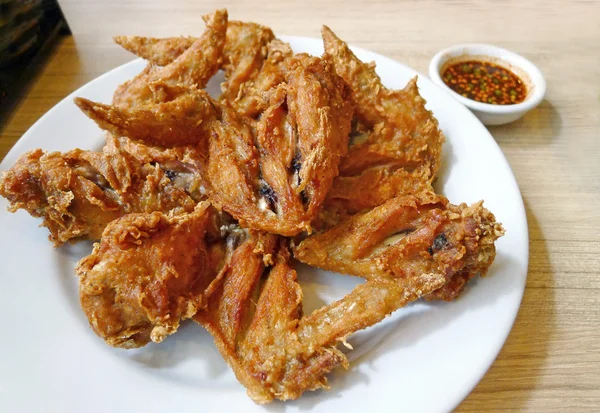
(487, 113)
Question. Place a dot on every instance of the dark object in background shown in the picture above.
(27, 29)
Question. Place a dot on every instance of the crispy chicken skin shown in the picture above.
(193, 68)
(395, 143)
(384, 182)
(405, 135)
(245, 53)
(249, 87)
(348, 196)
(177, 116)
(275, 177)
(256, 319)
(78, 193)
(147, 273)
(408, 236)
(57, 187)
(252, 61)
(403, 130)
(158, 51)
(244, 42)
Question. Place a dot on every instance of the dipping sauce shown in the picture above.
(485, 82)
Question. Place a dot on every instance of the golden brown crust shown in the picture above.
(251, 92)
(245, 54)
(274, 175)
(78, 193)
(159, 52)
(148, 272)
(252, 60)
(193, 68)
(244, 43)
(256, 319)
(48, 186)
(348, 195)
(180, 116)
(408, 236)
(394, 137)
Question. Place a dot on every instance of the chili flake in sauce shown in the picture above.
(485, 82)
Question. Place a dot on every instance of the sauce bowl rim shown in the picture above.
(496, 54)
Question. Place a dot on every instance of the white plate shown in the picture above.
(425, 358)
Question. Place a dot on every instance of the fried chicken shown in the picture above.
(78, 193)
(147, 273)
(193, 68)
(277, 180)
(404, 132)
(157, 51)
(407, 236)
(384, 182)
(252, 62)
(192, 198)
(395, 144)
(245, 53)
(177, 116)
(249, 90)
(244, 42)
(256, 319)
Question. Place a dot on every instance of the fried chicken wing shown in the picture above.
(193, 68)
(159, 52)
(256, 319)
(348, 195)
(48, 185)
(278, 181)
(404, 129)
(408, 236)
(78, 193)
(252, 62)
(245, 43)
(180, 116)
(407, 138)
(395, 139)
(245, 52)
(191, 156)
(147, 273)
(248, 88)
(384, 182)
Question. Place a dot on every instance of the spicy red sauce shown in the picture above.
(485, 82)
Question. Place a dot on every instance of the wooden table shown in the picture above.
(551, 360)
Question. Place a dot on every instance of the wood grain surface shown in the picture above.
(551, 360)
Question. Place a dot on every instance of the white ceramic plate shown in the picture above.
(425, 358)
